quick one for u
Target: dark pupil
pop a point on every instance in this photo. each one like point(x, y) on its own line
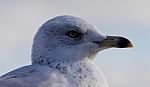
point(73, 34)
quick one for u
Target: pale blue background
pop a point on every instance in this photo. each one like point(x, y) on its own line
point(19, 21)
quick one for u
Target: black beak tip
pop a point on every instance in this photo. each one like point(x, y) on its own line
point(124, 43)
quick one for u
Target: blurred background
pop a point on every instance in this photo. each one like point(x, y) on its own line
point(20, 19)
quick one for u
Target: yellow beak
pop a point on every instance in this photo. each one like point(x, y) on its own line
point(115, 41)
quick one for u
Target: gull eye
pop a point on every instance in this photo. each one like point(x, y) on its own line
point(73, 34)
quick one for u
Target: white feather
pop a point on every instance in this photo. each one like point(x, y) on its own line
point(61, 61)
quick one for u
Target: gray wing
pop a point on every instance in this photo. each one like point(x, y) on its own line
point(33, 76)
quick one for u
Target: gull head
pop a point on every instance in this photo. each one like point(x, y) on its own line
point(70, 38)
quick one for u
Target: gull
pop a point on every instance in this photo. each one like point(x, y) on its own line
point(62, 56)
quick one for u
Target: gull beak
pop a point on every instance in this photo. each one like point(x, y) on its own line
point(115, 41)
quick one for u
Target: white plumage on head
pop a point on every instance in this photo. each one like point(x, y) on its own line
point(52, 41)
point(62, 56)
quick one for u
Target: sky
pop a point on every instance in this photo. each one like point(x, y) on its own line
point(20, 19)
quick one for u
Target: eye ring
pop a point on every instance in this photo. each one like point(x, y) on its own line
point(73, 34)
